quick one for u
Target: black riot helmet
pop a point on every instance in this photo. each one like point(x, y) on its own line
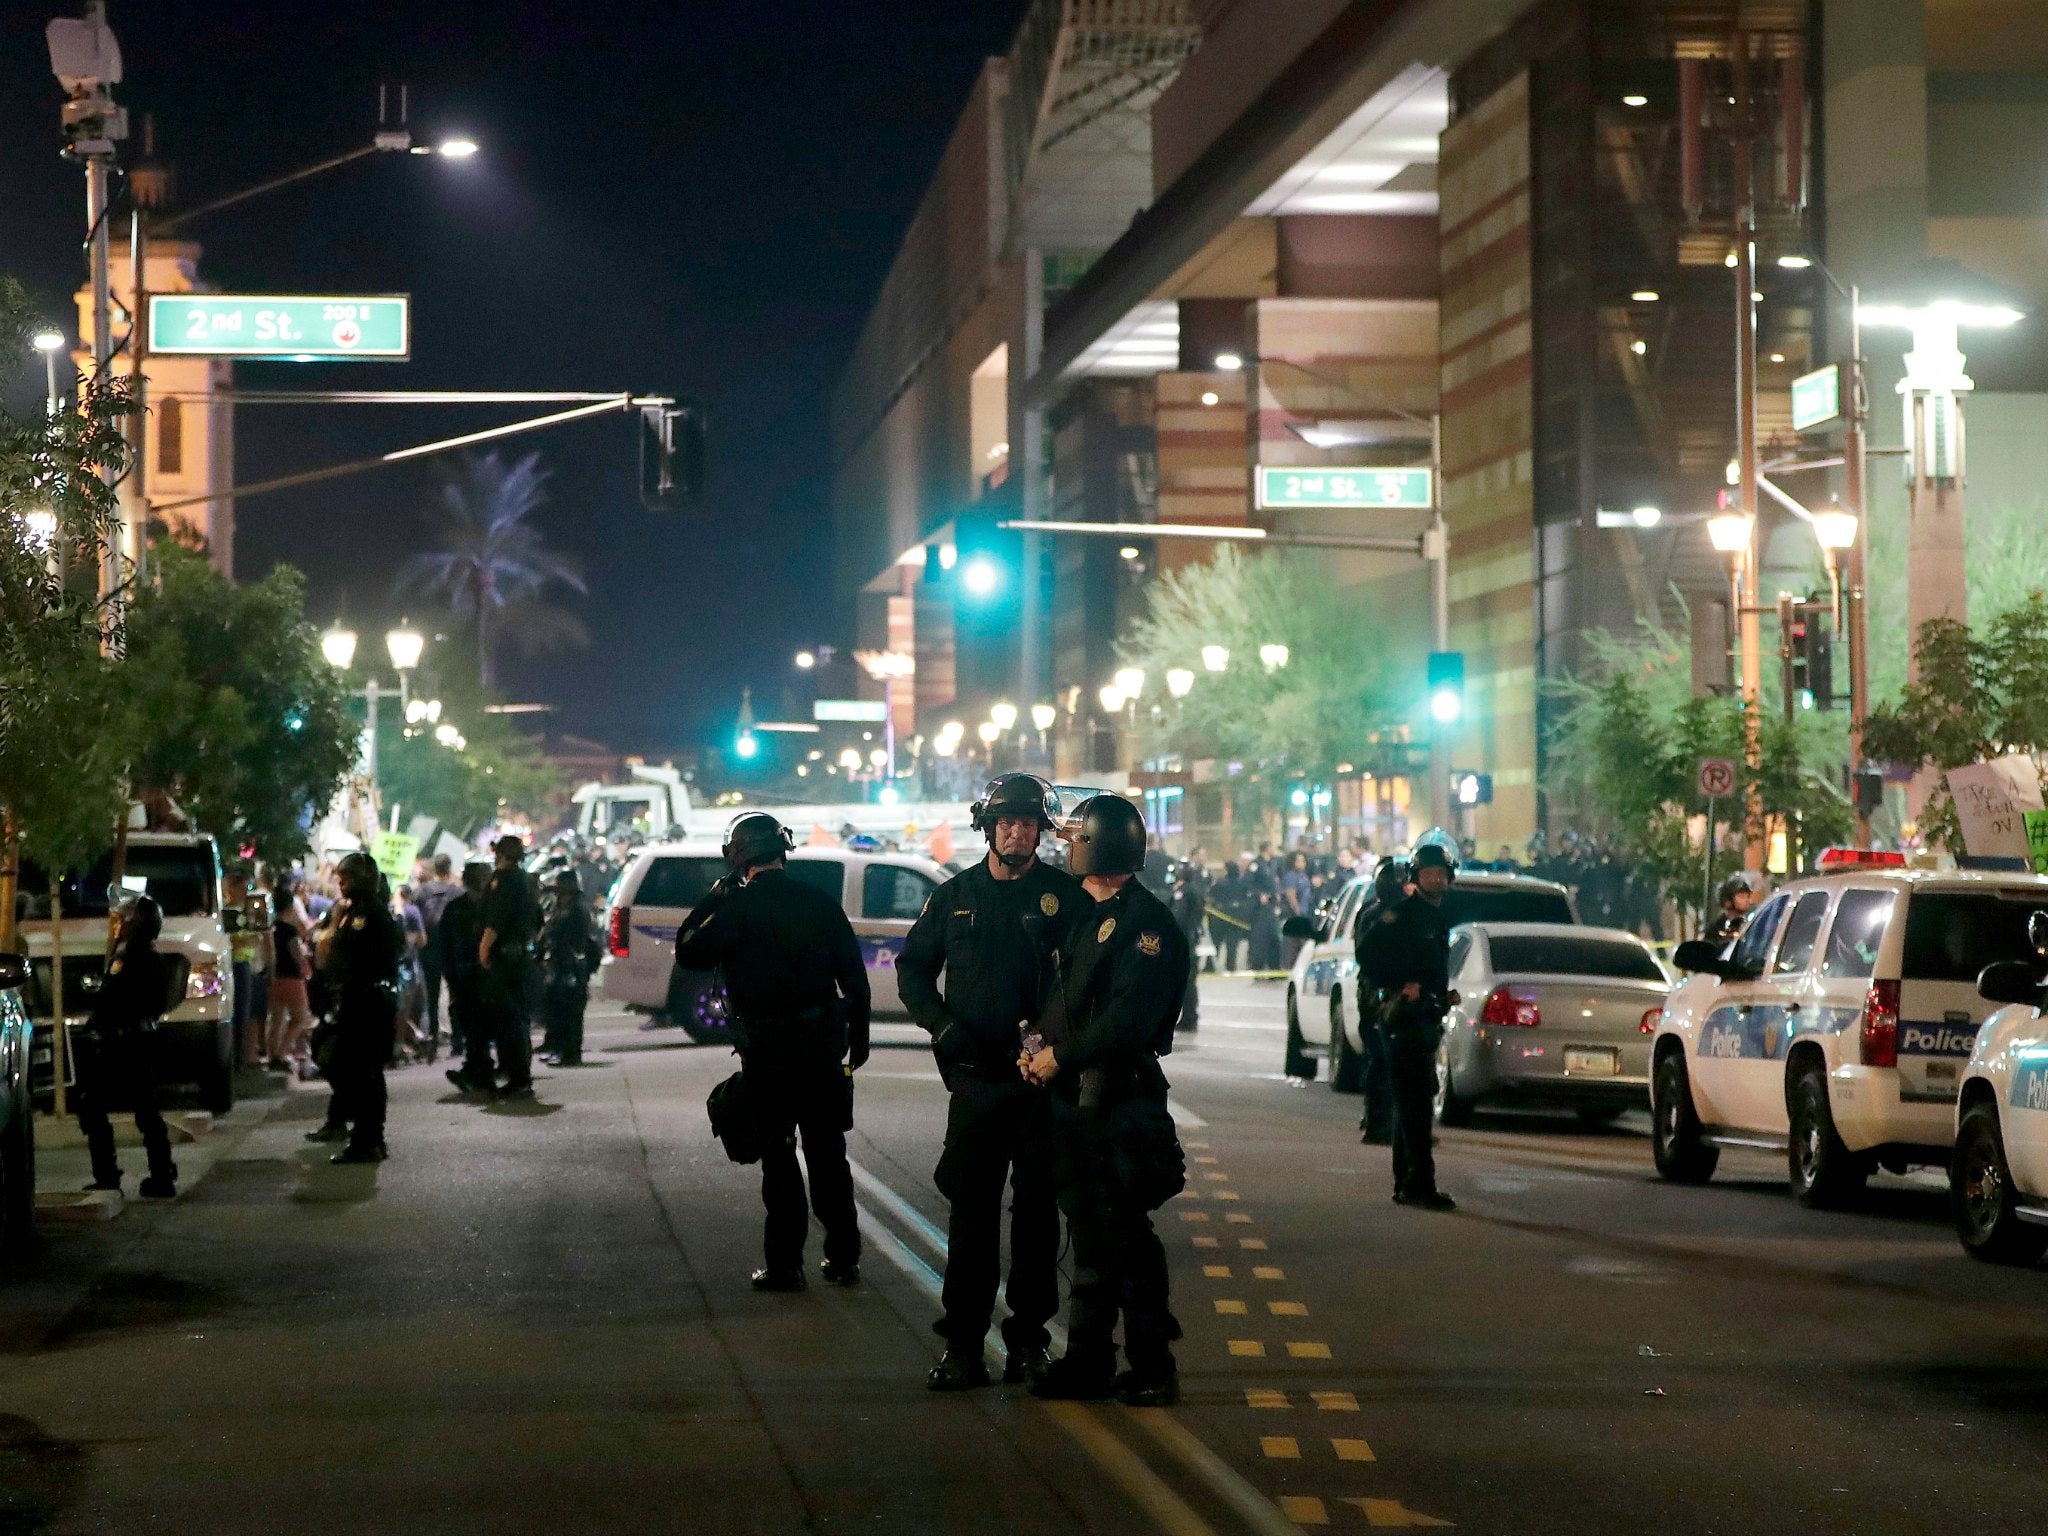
point(143, 922)
point(1108, 838)
point(358, 874)
point(1433, 856)
point(755, 838)
point(1388, 882)
point(1013, 794)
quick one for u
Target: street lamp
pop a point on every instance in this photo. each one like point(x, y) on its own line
point(1003, 715)
point(49, 342)
point(1934, 302)
point(338, 645)
point(1111, 698)
point(1730, 533)
point(1216, 657)
point(805, 660)
point(1042, 716)
point(404, 645)
point(990, 733)
point(1179, 681)
point(1273, 657)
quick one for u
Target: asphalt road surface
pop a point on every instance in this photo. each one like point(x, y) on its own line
point(536, 1318)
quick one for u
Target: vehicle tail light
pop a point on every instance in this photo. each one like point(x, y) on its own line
point(1651, 1018)
point(1504, 1008)
point(618, 935)
point(1880, 1027)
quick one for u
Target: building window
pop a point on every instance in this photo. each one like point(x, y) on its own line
point(170, 436)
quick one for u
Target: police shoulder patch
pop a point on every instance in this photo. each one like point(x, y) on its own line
point(1108, 927)
point(358, 922)
point(1048, 904)
point(1388, 917)
point(1148, 945)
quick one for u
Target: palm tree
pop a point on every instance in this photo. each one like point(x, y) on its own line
point(494, 569)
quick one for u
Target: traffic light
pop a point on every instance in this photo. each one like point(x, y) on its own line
point(986, 560)
point(672, 454)
point(1868, 787)
point(1810, 651)
point(1470, 788)
point(1446, 686)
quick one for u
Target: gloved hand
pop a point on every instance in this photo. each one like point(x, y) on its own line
point(857, 1057)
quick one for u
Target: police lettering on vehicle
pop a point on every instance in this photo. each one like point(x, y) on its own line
point(1936, 1039)
point(2030, 1081)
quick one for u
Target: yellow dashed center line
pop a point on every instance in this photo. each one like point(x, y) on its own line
point(1217, 1178)
point(1208, 1242)
point(1205, 1160)
point(1335, 1402)
point(1216, 1271)
point(1230, 1309)
point(1250, 1349)
point(1303, 1510)
point(1226, 1194)
point(1280, 1447)
point(1194, 1215)
point(1268, 1272)
point(1239, 1218)
point(1352, 1450)
point(1264, 1397)
point(1288, 1308)
point(1251, 1244)
point(1302, 1349)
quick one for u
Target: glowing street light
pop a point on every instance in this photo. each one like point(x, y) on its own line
point(405, 646)
point(805, 660)
point(1179, 681)
point(1003, 715)
point(1729, 532)
point(1834, 530)
point(338, 645)
point(1111, 698)
point(1042, 717)
point(1130, 682)
point(1273, 657)
point(989, 732)
point(1216, 657)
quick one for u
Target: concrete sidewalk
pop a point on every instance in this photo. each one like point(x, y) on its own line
point(198, 1141)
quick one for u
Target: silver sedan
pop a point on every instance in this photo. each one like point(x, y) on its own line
point(1549, 1014)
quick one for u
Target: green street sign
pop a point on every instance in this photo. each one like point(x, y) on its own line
point(1816, 397)
point(283, 328)
point(1295, 485)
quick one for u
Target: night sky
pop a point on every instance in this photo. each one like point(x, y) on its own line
point(686, 198)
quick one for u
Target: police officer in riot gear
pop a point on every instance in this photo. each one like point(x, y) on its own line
point(113, 1061)
point(359, 961)
point(1376, 1125)
point(799, 993)
point(993, 931)
point(1406, 954)
point(511, 919)
point(1737, 896)
point(1111, 1015)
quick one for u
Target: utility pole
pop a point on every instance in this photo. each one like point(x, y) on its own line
point(1436, 548)
point(87, 62)
point(1855, 449)
point(1754, 835)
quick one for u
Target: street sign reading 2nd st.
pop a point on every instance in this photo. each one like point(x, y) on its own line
point(1293, 485)
point(296, 328)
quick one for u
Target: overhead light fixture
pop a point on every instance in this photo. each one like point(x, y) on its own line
point(1646, 296)
point(1043, 715)
point(1110, 697)
point(1777, 357)
point(805, 660)
point(1179, 681)
point(1003, 714)
point(1229, 362)
point(999, 451)
point(1216, 657)
point(1634, 99)
point(338, 645)
point(47, 341)
point(1130, 681)
point(1728, 260)
point(1210, 397)
point(1647, 517)
point(1639, 347)
point(1834, 530)
point(1795, 263)
point(456, 149)
point(1273, 656)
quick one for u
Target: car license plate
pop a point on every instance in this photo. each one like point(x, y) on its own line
point(1604, 1063)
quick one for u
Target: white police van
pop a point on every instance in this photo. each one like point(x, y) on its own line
point(1838, 1025)
point(1998, 1178)
point(882, 893)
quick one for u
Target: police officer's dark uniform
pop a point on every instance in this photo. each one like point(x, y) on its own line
point(460, 932)
point(565, 965)
point(1376, 1123)
point(360, 965)
point(1111, 1016)
point(114, 1066)
point(996, 940)
point(511, 917)
point(1410, 946)
point(799, 995)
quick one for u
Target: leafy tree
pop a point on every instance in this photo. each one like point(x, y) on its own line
point(236, 715)
point(1630, 737)
point(463, 789)
point(61, 749)
point(495, 571)
point(1982, 693)
point(1335, 692)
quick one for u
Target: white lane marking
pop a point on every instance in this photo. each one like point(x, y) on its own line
point(1182, 1115)
point(900, 1208)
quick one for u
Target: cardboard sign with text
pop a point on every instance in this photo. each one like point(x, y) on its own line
point(2037, 839)
point(394, 853)
point(1991, 801)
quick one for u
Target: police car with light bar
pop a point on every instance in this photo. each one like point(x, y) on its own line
point(1998, 1178)
point(1837, 1027)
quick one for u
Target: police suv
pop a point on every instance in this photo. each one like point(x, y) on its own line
point(1837, 1027)
point(882, 893)
point(1998, 1178)
point(1322, 988)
